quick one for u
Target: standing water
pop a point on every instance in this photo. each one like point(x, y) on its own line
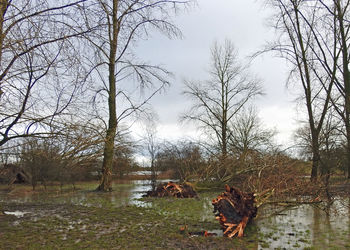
point(321, 225)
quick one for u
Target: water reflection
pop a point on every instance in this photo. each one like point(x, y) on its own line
point(207, 213)
point(122, 195)
point(127, 193)
point(323, 226)
point(316, 225)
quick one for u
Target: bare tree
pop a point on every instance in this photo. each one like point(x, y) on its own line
point(248, 133)
point(331, 141)
point(38, 74)
point(338, 11)
point(152, 147)
point(122, 23)
point(64, 156)
point(303, 41)
point(80, 145)
point(219, 99)
point(183, 157)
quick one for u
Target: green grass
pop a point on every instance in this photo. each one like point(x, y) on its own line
point(85, 219)
point(79, 227)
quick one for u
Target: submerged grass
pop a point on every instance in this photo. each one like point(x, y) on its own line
point(84, 219)
point(74, 226)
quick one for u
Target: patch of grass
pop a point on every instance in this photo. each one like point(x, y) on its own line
point(84, 219)
point(210, 186)
point(264, 245)
point(69, 225)
point(296, 245)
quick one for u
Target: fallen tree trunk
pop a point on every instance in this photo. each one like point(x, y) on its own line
point(234, 209)
point(172, 189)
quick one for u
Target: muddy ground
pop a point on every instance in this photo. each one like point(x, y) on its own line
point(85, 219)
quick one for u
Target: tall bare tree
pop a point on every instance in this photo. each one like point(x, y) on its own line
point(303, 41)
point(38, 75)
point(122, 23)
point(217, 100)
point(339, 11)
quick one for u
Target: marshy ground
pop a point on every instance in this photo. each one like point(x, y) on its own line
point(76, 219)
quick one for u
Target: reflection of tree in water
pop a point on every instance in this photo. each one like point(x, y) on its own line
point(349, 218)
point(327, 221)
point(330, 223)
point(319, 225)
point(316, 225)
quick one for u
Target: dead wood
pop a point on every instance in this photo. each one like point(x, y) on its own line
point(184, 230)
point(172, 189)
point(234, 209)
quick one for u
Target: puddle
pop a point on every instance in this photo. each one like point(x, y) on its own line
point(128, 193)
point(18, 214)
point(143, 172)
point(207, 213)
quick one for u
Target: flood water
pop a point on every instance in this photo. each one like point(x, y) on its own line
point(321, 225)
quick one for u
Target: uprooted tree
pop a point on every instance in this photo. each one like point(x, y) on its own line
point(172, 189)
point(234, 209)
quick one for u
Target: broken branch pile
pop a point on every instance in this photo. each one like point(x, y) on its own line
point(234, 209)
point(172, 189)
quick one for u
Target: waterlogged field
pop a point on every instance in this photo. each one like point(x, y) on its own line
point(122, 219)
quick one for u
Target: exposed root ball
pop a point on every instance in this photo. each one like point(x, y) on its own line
point(172, 189)
point(234, 209)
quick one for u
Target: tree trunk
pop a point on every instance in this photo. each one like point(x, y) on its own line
point(106, 178)
point(153, 174)
point(315, 159)
point(304, 71)
point(348, 151)
point(346, 76)
point(108, 153)
point(347, 110)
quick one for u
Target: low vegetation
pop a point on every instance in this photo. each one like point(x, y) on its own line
point(68, 219)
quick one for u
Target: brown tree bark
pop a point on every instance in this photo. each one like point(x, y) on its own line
point(106, 179)
point(315, 161)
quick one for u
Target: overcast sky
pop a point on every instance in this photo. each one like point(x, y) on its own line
point(244, 22)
